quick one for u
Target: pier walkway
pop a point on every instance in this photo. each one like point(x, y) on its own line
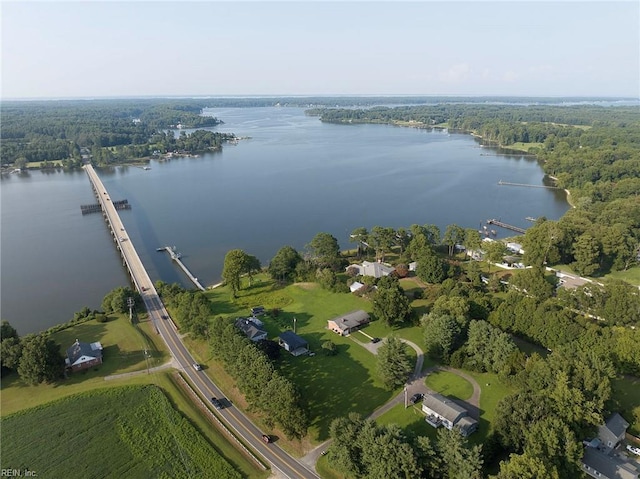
point(517, 229)
point(508, 183)
point(176, 257)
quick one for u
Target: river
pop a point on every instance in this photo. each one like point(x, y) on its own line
point(294, 177)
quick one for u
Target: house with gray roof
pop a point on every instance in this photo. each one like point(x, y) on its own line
point(442, 411)
point(83, 355)
point(347, 323)
point(293, 343)
point(377, 269)
point(613, 430)
point(251, 329)
point(601, 460)
point(599, 464)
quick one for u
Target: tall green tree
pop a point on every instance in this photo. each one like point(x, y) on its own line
point(41, 360)
point(325, 251)
point(453, 235)
point(360, 236)
point(390, 303)
point(283, 265)
point(394, 363)
point(235, 264)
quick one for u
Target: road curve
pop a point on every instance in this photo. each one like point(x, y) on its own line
point(272, 454)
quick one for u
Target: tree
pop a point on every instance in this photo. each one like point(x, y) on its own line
point(390, 304)
point(7, 331)
point(533, 283)
point(329, 348)
point(430, 267)
point(235, 264)
point(586, 251)
point(441, 335)
point(495, 252)
point(270, 348)
point(458, 459)
point(382, 239)
point(541, 243)
point(283, 265)
point(360, 236)
point(524, 466)
point(472, 239)
point(325, 251)
point(40, 361)
point(252, 266)
point(394, 364)
point(453, 235)
point(10, 353)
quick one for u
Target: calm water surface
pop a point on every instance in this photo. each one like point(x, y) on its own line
point(292, 179)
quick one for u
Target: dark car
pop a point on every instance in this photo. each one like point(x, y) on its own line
point(216, 403)
point(416, 397)
point(375, 340)
point(266, 438)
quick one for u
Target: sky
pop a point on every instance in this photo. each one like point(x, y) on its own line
point(83, 49)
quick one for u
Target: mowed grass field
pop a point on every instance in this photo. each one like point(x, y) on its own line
point(331, 385)
point(128, 431)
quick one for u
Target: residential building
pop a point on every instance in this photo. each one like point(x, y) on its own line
point(377, 269)
point(601, 460)
point(442, 411)
point(251, 329)
point(293, 343)
point(347, 323)
point(83, 355)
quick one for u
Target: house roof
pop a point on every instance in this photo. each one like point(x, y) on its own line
point(616, 424)
point(376, 269)
point(466, 422)
point(443, 406)
point(351, 320)
point(249, 328)
point(293, 340)
point(609, 466)
point(79, 349)
point(355, 286)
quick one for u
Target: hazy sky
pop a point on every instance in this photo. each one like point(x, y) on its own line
point(87, 49)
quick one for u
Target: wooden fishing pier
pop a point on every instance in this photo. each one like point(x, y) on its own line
point(506, 226)
point(176, 257)
point(508, 183)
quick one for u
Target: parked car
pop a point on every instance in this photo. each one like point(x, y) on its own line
point(197, 367)
point(266, 438)
point(216, 403)
point(633, 449)
point(416, 397)
point(375, 340)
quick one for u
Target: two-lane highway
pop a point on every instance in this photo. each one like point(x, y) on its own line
point(244, 429)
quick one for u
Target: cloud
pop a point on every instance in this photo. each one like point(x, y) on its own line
point(455, 74)
point(510, 76)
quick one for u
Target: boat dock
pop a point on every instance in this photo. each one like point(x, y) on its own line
point(506, 226)
point(176, 257)
point(508, 183)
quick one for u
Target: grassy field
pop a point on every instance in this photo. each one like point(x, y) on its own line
point(330, 384)
point(119, 432)
point(124, 345)
point(449, 384)
point(632, 275)
point(525, 147)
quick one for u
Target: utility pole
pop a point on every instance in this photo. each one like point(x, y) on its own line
point(294, 324)
point(405, 396)
point(130, 303)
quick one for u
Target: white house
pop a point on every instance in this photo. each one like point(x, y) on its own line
point(377, 269)
point(442, 411)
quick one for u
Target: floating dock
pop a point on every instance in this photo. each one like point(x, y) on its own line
point(176, 257)
point(506, 226)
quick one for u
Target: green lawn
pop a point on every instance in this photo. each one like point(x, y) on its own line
point(449, 384)
point(124, 345)
point(626, 401)
point(118, 432)
point(632, 275)
point(524, 146)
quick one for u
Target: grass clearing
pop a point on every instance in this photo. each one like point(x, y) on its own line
point(110, 433)
point(525, 147)
point(632, 275)
point(449, 384)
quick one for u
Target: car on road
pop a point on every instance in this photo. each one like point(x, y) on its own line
point(197, 367)
point(416, 397)
point(375, 340)
point(633, 449)
point(216, 403)
point(266, 438)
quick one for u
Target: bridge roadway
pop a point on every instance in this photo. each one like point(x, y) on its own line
point(247, 432)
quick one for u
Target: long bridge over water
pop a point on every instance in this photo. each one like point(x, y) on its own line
point(243, 430)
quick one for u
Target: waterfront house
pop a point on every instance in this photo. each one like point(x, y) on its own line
point(347, 323)
point(83, 355)
point(367, 268)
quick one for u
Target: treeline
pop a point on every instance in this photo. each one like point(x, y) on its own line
point(56, 130)
point(265, 389)
point(190, 309)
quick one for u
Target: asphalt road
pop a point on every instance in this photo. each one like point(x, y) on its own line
point(272, 454)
